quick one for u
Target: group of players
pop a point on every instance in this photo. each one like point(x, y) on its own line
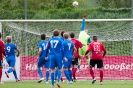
point(58, 53)
point(62, 52)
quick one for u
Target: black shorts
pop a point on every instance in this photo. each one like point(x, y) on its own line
point(98, 62)
point(75, 61)
point(1, 63)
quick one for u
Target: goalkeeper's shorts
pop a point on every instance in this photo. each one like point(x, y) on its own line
point(83, 50)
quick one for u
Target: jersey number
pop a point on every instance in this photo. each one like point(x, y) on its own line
point(8, 48)
point(69, 45)
point(54, 43)
point(96, 47)
point(44, 46)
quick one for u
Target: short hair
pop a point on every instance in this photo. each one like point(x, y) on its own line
point(0, 34)
point(43, 36)
point(65, 35)
point(95, 37)
point(8, 39)
point(62, 32)
point(56, 32)
point(72, 35)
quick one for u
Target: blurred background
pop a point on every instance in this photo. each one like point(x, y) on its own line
point(63, 9)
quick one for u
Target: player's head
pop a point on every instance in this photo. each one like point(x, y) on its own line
point(94, 38)
point(56, 32)
point(72, 35)
point(86, 30)
point(43, 36)
point(62, 32)
point(65, 35)
point(8, 39)
point(0, 35)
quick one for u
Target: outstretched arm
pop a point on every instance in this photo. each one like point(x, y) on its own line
point(83, 25)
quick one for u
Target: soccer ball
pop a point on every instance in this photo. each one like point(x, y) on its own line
point(75, 3)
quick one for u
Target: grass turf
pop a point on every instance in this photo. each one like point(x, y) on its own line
point(77, 84)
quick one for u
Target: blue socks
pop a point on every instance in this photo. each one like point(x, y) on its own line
point(47, 76)
point(56, 73)
point(15, 74)
point(67, 75)
point(40, 72)
point(59, 76)
point(70, 74)
point(52, 78)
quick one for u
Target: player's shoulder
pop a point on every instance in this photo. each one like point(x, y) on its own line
point(1, 42)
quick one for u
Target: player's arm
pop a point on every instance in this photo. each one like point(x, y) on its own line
point(62, 50)
point(104, 50)
point(47, 49)
point(39, 52)
point(88, 50)
point(83, 23)
point(18, 52)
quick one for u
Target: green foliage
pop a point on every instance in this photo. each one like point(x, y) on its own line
point(115, 3)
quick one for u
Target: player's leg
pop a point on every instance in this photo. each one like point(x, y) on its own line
point(40, 63)
point(12, 64)
point(10, 69)
point(100, 66)
point(47, 70)
point(79, 62)
point(56, 73)
point(70, 71)
point(92, 64)
point(75, 69)
point(1, 72)
point(52, 67)
point(65, 68)
point(59, 65)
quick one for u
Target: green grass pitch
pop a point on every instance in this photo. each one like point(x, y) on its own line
point(77, 84)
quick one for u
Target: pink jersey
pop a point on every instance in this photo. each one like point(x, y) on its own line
point(97, 49)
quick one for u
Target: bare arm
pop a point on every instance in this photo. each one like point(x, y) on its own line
point(18, 52)
point(39, 52)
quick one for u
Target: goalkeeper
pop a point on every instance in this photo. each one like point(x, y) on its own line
point(84, 38)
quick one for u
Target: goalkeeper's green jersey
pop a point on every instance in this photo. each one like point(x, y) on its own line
point(83, 37)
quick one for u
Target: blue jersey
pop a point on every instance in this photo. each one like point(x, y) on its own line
point(10, 49)
point(68, 49)
point(55, 46)
point(42, 45)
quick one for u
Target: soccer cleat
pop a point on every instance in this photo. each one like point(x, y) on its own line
point(70, 82)
point(7, 75)
point(1, 83)
point(93, 81)
point(59, 86)
point(52, 86)
point(62, 79)
point(40, 80)
point(47, 82)
point(74, 80)
point(101, 83)
point(17, 80)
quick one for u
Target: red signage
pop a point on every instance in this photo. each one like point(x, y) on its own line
point(115, 68)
